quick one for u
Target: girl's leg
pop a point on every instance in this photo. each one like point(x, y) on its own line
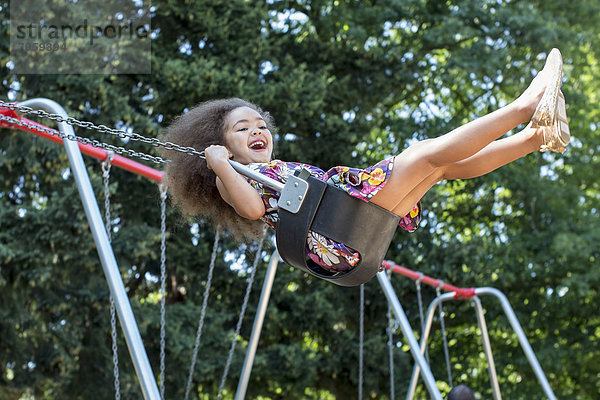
point(497, 154)
point(491, 157)
point(426, 158)
point(424, 163)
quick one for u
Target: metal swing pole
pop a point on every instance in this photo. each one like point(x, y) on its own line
point(409, 335)
point(516, 326)
point(257, 327)
point(484, 337)
point(424, 336)
point(487, 348)
point(107, 258)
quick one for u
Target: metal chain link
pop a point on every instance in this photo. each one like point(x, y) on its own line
point(106, 164)
point(84, 140)
point(202, 312)
point(113, 317)
point(238, 327)
point(421, 315)
point(163, 285)
point(444, 336)
point(115, 350)
point(100, 128)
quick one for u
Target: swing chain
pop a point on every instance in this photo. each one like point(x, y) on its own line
point(106, 164)
point(203, 312)
point(80, 139)
point(100, 128)
point(438, 291)
point(394, 324)
point(421, 312)
point(163, 279)
point(238, 326)
point(115, 351)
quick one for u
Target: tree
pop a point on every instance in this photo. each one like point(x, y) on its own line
point(348, 83)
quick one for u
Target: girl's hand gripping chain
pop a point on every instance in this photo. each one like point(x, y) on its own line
point(216, 157)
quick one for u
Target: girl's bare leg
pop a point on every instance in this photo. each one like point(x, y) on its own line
point(425, 159)
point(491, 157)
point(497, 154)
point(424, 163)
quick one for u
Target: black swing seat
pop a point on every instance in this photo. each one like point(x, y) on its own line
point(331, 212)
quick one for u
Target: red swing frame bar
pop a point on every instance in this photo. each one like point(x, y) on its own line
point(459, 293)
point(467, 293)
point(87, 149)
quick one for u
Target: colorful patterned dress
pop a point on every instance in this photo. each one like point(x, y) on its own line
point(361, 183)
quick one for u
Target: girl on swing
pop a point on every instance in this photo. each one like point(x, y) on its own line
point(241, 131)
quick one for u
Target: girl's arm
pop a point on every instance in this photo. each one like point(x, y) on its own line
point(233, 187)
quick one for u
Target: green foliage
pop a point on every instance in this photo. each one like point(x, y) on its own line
point(348, 83)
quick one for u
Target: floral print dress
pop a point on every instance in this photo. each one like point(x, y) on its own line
point(361, 183)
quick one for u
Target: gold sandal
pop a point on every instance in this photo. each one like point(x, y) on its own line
point(557, 136)
point(551, 114)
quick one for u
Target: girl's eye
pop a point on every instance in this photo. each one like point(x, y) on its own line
point(242, 129)
point(263, 127)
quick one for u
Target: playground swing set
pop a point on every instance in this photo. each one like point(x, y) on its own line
point(305, 204)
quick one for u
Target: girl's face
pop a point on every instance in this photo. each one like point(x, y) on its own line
point(247, 136)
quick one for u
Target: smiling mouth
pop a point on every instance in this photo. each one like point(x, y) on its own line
point(258, 145)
